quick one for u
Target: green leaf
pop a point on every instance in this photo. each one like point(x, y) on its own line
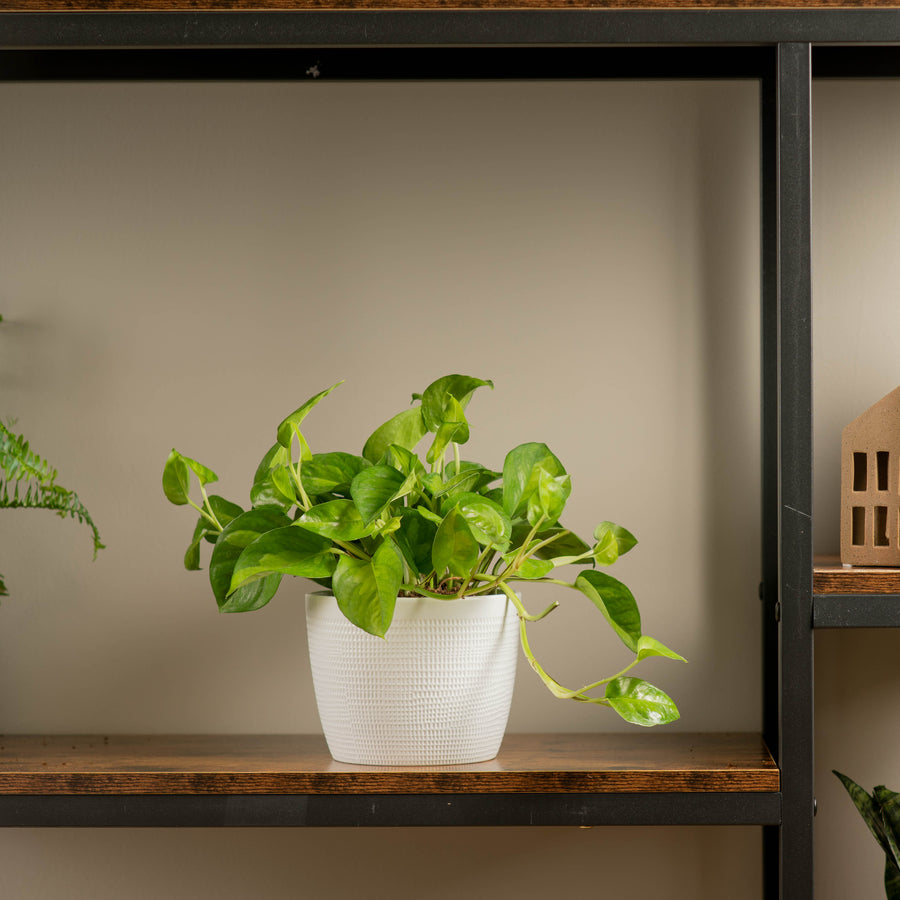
point(405, 429)
point(436, 399)
point(648, 646)
point(374, 488)
point(330, 473)
point(549, 500)
point(366, 589)
point(869, 810)
point(891, 879)
point(890, 816)
point(625, 540)
point(606, 550)
point(337, 520)
point(238, 534)
point(522, 470)
point(565, 542)
point(455, 549)
point(616, 602)
point(272, 484)
point(471, 478)
point(176, 479)
point(290, 550)
point(529, 568)
point(224, 511)
point(290, 425)
point(640, 703)
point(415, 537)
point(454, 428)
point(403, 460)
point(489, 524)
point(252, 596)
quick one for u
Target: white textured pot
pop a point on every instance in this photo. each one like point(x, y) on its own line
point(435, 691)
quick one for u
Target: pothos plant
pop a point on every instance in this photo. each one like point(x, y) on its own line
point(384, 523)
point(881, 812)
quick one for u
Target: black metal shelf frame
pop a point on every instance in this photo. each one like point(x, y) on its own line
point(774, 47)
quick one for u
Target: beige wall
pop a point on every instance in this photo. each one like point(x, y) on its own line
point(182, 265)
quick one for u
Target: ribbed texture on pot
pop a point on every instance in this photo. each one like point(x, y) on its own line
point(436, 691)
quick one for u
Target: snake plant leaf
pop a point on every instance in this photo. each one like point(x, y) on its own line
point(640, 703)
point(648, 646)
point(236, 536)
point(487, 521)
point(437, 397)
point(289, 426)
point(616, 602)
point(330, 473)
point(405, 429)
point(375, 487)
point(521, 473)
point(891, 879)
point(291, 550)
point(625, 540)
point(366, 589)
point(890, 816)
point(868, 809)
point(415, 537)
point(455, 548)
point(336, 519)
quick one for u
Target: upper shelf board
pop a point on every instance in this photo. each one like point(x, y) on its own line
point(288, 5)
point(300, 764)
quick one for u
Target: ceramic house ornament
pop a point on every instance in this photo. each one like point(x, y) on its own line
point(870, 486)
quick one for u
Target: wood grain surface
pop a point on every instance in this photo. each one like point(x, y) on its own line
point(286, 5)
point(830, 577)
point(300, 764)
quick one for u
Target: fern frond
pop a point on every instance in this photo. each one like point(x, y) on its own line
point(29, 482)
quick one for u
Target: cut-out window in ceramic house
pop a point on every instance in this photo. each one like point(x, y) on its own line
point(870, 486)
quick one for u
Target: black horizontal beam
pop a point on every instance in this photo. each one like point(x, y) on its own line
point(856, 611)
point(376, 810)
point(317, 28)
point(330, 64)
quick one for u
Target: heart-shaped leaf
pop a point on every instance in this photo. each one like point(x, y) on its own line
point(616, 602)
point(436, 397)
point(489, 524)
point(522, 470)
point(290, 550)
point(337, 520)
point(405, 429)
point(330, 473)
point(374, 488)
point(455, 549)
point(640, 703)
point(237, 535)
point(366, 589)
point(290, 425)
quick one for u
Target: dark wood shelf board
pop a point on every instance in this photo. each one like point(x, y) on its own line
point(629, 763)
point(830, 577)
point(197, 6)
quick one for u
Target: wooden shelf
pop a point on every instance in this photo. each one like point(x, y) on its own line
point(291, 780)
point(855, 596)
point(830, 577)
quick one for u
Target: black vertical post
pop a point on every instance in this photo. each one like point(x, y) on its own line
point(769, 369)
point(794, 608)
